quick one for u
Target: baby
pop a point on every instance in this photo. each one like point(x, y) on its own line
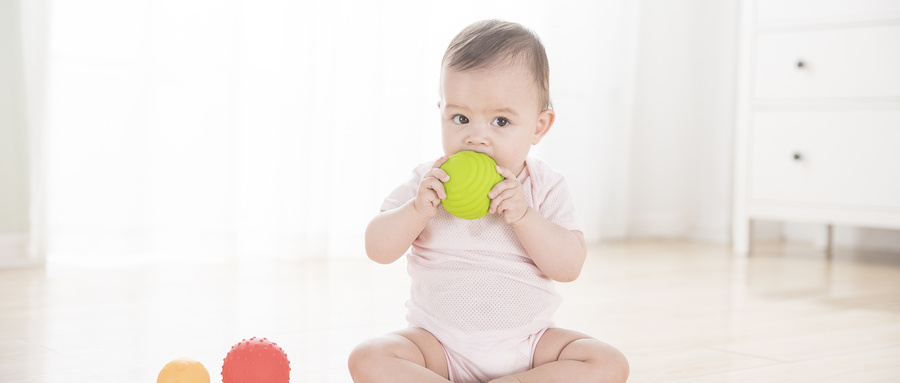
point(482, 293)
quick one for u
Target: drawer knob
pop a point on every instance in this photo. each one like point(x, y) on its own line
point(800, 64)
point(798, 156)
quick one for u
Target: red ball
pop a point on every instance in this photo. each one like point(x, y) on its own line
point(256, 360)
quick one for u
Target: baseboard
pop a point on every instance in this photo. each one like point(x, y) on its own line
point(711, 232)
point(658, 226)
point(15, 251)
point(671, 226)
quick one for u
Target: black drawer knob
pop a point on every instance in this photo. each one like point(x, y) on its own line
point(798, 157)
point(800, 64)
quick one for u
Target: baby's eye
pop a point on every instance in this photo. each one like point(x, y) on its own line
point(460, 119)
point(500, 121)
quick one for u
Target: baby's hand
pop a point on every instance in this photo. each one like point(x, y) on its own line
point(431, 189)
point(508, 197)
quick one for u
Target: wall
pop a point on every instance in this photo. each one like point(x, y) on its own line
point(592, 96)
point(683, 120)
point(14, 148)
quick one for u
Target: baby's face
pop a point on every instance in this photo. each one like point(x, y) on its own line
point(494, 111)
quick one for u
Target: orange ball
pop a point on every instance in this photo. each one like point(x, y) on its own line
point(183, 370)
point(256, 360)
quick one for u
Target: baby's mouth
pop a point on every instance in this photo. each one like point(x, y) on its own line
point(477, 151)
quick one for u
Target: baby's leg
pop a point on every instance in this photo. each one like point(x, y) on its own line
point(569, 356)
point(408, 355)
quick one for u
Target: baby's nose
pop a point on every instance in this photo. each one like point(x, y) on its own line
point(476, 135)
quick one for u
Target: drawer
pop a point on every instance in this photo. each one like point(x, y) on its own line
point(844, 158)
point(783, 12)
point(837, 63)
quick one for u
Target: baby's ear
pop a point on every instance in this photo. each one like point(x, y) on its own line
point(544, 122)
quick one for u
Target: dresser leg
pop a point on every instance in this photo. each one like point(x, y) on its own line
point(829, 245)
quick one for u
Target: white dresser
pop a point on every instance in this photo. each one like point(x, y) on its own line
point(818, 114)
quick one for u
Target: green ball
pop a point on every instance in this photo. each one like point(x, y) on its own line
point(472, 175)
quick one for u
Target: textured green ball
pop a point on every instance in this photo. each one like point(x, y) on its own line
point(472, 175)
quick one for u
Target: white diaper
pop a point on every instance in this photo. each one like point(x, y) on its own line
point(481, 363)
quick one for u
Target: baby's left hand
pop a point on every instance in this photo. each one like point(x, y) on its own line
point(508, 197)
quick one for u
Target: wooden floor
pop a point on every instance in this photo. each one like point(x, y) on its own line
point(681, 312)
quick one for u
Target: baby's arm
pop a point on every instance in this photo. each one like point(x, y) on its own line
point(557, 251)
point(391, 232)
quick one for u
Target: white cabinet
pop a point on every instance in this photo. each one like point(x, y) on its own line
point(819, 64)
point(818, 114)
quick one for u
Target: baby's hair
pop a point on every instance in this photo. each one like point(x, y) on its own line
point(491, 42)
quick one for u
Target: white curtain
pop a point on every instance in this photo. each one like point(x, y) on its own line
point(274, 128)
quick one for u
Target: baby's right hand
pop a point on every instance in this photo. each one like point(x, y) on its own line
point(431, 189)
